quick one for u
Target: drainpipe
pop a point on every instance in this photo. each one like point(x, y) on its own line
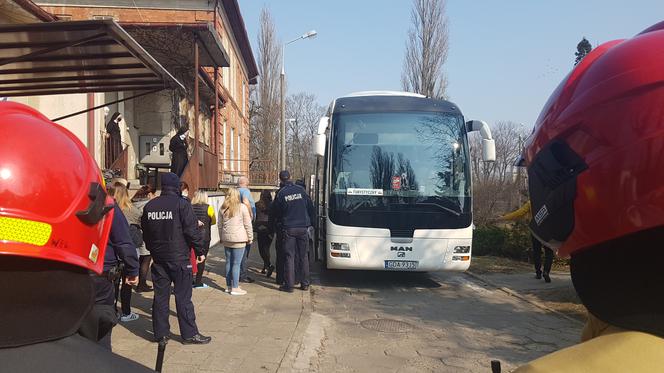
point(91, 125)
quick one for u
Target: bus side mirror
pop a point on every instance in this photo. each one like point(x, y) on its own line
point(322, 124)
point(319, 146)
point(488, 145)
point(488, 150)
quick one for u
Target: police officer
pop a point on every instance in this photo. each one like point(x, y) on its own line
point(120, 257)
point(48, 247)
point(275, 223)
point(170, 229)
point(295, 211)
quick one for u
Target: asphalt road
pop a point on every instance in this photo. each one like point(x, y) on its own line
point(363, 321)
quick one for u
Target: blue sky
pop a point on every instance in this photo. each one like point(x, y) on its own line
point(505, 56)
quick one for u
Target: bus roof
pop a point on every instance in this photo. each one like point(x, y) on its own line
point(384, 93)
point(390, 101)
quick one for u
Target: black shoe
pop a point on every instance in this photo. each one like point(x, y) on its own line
point(162, 339)
point(304, 287)
point(538, 275)
point(546, 277)
point(270, 269)
point(198, 339)
point(263, 270)
point(285, 289)
point(248, 280)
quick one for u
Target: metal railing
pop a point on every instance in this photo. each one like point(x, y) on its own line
point(114, 156)
point(259, 171)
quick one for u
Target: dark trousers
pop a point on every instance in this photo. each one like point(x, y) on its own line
point(264, 241)
point(104, 295)
point(125, 298)
point(125, 295)
point(537, 256)
point(163, 274)
point(200, 267)
point(243, 265)
point(144, 267)
point(279, 248)
point(296, 260)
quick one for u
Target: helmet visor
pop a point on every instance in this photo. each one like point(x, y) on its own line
point(552, 184)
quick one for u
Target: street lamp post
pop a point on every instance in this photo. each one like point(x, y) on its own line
point(282, 139)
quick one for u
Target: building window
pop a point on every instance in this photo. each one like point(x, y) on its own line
point(244, 109)
point(223, 147)
point(239, 152)
point(232, 147)
point(103, 16)
point(225, 74)
point(234, 83)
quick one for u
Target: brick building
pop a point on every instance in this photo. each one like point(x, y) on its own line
point(183, 36)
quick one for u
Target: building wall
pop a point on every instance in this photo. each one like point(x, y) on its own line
point(236, 113)
point(60, 105)
point(233, 79)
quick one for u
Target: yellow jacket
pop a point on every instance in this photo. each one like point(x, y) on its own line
point(605, 349)
point(517, 214)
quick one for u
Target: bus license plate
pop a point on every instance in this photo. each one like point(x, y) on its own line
point(401, 264)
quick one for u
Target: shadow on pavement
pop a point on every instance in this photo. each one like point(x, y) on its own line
point(375, 279)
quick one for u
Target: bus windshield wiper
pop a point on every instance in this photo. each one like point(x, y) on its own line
point(451, 211)
point(357, 206)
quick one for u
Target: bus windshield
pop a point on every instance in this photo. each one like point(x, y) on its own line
point(399, 161)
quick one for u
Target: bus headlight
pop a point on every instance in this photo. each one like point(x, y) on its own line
point(464, 258)
point(462, 249)
point(340, 246)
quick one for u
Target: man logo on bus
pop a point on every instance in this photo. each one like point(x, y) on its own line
point(401, 255)
point(401, 248)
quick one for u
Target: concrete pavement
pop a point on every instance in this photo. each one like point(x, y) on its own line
point(251, 333)
point(443, 322)
point(526, 282)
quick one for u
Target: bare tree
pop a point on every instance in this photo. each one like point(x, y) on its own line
point(264, 105)
point(498, 187)
point(302, 113)
point(426, 50)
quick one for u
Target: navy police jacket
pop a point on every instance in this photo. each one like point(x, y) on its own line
point(292, 207)
point(120, 247)
point(170, 228)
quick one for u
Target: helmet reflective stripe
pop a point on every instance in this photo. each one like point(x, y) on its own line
point(24, 231)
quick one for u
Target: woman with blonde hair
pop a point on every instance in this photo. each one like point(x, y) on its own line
point(133, 215)
point(235, 233)
point(206, 219)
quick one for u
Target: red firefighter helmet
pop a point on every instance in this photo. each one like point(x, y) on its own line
point(596, 157)
point(53, 204)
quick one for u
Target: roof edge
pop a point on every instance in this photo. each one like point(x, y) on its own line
point(232, 9)
point(36, 10)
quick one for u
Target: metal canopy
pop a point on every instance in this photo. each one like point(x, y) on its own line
point(174, 46)
point(76, 57)
point(175, 42)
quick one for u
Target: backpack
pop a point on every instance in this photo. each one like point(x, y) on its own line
point(136, 235)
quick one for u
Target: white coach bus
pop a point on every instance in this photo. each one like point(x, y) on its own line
point(393, 183)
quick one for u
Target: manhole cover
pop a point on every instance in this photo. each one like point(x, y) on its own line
point(387, 325)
